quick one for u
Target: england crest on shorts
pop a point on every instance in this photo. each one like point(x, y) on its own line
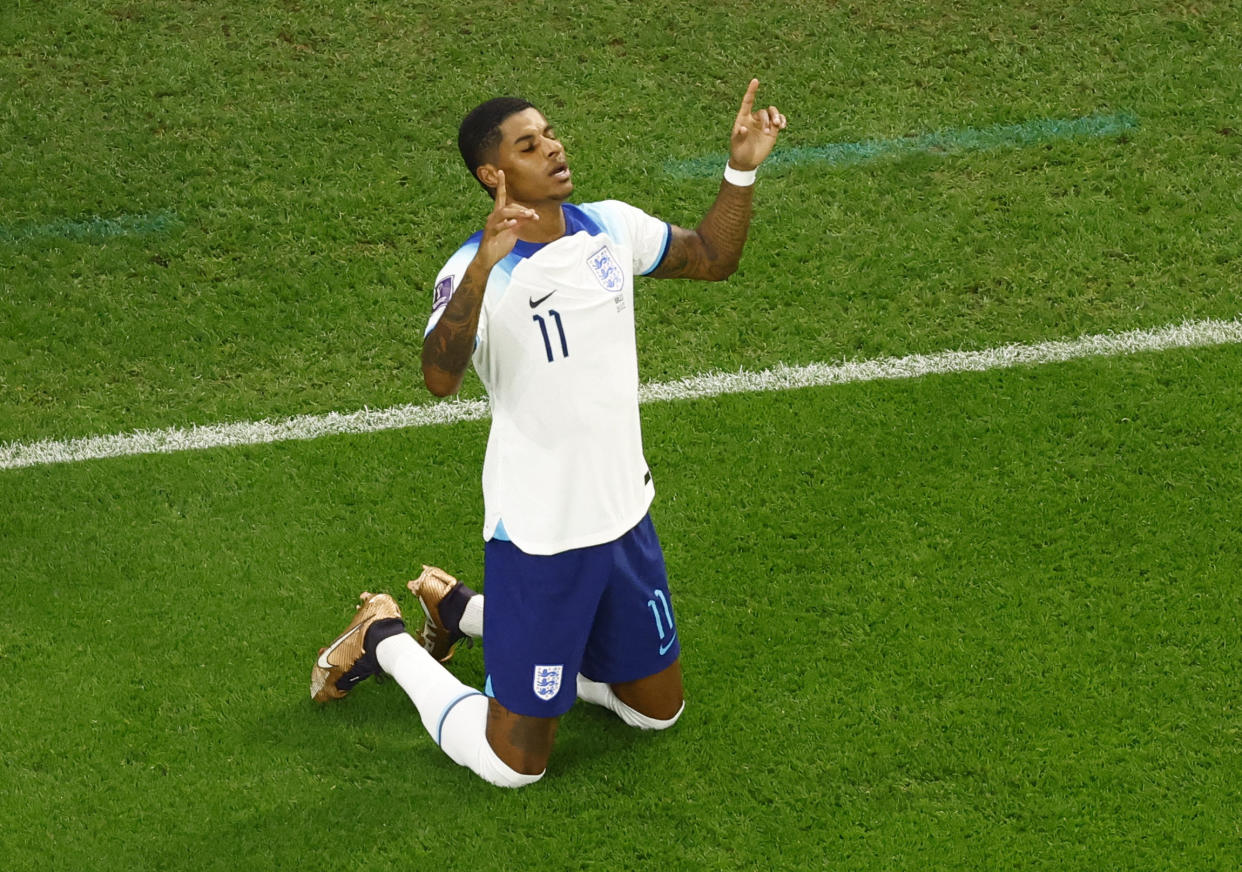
point(547, 681)
point(607, 270)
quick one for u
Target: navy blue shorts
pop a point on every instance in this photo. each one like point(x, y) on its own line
point(604, 611)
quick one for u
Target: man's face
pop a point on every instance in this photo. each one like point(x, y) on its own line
point(532, 158)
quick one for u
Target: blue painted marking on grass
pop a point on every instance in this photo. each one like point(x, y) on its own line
point(941, 142)
point(92, 229)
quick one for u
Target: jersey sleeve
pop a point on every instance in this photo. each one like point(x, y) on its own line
point(648, 236)
point(447, 281)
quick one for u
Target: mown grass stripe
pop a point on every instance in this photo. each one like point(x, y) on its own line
point(1189, 334)
point(1023, 135)
point(92, 229)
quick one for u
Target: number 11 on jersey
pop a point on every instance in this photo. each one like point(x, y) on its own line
point(547, 340)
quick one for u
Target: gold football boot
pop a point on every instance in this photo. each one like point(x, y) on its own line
point(347, 661)
point(443, 599)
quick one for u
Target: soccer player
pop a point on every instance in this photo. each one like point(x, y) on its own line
point(542, 301)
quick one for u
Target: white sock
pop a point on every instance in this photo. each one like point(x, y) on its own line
point(598, 693)
point(471, 622)
point(464, 739)
point(454, 714)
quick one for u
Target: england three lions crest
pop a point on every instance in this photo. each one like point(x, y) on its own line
point(607, 270)
point(547, 681)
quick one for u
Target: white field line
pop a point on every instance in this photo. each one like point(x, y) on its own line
point(1190, 334)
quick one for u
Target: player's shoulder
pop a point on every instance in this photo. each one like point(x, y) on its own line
point(615, 218)
point(604, 210)
point(461, 257)
point(470, 246)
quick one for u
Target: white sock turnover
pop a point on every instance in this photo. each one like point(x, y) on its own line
point(602, 694)
point(471, 622)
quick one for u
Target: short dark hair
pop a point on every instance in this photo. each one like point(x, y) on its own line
point(480, 130)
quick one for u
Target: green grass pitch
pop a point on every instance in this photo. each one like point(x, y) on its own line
point(984, 621)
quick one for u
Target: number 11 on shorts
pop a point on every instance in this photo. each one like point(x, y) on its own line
point(667, 635)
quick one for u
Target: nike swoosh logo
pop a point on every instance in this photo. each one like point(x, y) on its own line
point(534, 303)
point(664, 648)
point(325, 663)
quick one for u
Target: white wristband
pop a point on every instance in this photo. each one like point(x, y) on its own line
point(741, 178)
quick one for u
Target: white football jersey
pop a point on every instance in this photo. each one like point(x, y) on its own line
point(556, 351)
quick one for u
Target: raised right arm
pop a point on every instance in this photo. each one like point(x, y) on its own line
point(712, 250)
point(447, 348)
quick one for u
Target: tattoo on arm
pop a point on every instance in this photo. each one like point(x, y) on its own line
point(448, 347)
point(712, 250)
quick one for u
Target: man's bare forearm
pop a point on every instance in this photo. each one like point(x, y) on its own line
point(448, 347)
point(725, 226)
point(713, 250)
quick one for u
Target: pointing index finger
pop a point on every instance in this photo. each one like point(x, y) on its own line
point(501, 199)
point(748, 101)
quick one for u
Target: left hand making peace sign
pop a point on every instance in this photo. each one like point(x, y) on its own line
point(754, 133)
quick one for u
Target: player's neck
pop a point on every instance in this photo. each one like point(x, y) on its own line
point(549, 227)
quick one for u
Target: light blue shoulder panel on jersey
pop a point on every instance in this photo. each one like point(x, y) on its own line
point(605, 219)
point(608, 215)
